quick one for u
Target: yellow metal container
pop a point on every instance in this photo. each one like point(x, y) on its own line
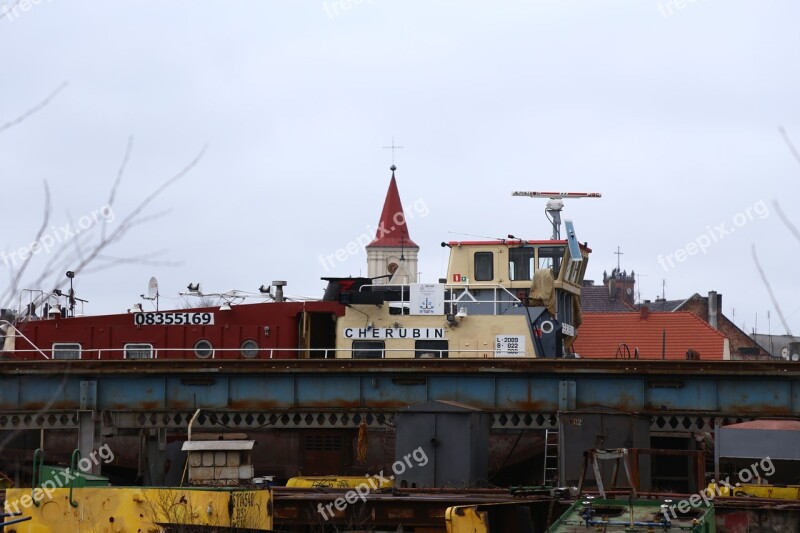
point(466, 519)
point(126, 509)
point(339, 482)
point(756, 490)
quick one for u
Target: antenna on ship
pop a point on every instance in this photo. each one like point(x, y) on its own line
point(555, 204)
point(152, 291)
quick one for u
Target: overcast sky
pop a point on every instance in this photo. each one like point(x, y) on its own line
point(670, 109)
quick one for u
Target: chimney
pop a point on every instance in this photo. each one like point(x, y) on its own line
point(713, 309)
point(645, 312)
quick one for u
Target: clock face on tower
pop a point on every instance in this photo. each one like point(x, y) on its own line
point(391, 268)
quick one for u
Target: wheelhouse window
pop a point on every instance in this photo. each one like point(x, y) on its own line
point(484, 266)
point(520, 263)
point(428, 349)
point(368, 349)
point(66, 350)
point(138, 351)
point(550, 257)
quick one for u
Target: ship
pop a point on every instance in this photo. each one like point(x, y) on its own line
point(508, 297)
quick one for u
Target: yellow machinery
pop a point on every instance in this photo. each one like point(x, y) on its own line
point(148, 510)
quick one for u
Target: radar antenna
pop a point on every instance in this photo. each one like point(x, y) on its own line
point(555, 204)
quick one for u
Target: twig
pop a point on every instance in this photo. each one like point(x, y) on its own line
point(785, 220)
point(769, 290)
point(34, 109)
point(789, 143)
point(11, 290)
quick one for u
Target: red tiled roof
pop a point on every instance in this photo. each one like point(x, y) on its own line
point(392, 228)
point(601, 334)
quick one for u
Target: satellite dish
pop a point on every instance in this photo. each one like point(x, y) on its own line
point(796, 357)
point(785, 352)
point(152, 288)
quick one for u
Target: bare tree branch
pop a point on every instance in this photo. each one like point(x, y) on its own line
point(769, 290)
point(34, 109)
point(150, 218)
point(113, 192)
point(786, 221)
point(130, 220)
point(143, 259)
point(83, 251)
point(21, 270)
point(789, 143)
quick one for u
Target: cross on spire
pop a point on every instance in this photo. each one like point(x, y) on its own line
point(393, 148)
point(619, 256)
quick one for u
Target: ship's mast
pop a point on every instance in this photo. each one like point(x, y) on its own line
point(555, 204)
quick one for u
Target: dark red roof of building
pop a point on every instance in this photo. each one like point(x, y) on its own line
point(601, 334)
point(392, 228)
point(596, 299)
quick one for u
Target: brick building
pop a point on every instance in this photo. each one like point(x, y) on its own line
point(616, 295)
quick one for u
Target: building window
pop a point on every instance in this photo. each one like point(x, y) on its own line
point(203, 349)
point(520, 264)
point(249, 349)
point(484, 266)
point(430, 349)
point(138, 351)
point(368, 349)
point(66, 350)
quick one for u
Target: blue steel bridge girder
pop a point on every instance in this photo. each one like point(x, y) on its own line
point(497, 386)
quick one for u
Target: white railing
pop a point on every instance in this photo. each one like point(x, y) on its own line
point(18, 332)
point(37, 298)
point(330, 353)
point(459, 294)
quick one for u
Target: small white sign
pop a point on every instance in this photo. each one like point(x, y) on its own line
point(426, 299)
point(509, 345)
point(567, 329)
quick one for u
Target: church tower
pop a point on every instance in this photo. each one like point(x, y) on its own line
point(392, 253)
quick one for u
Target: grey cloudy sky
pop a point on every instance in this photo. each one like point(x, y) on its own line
point(670, 109)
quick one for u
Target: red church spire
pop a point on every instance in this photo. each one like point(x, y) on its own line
point(392, 228)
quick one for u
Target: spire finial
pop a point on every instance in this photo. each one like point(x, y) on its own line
point(393, 168)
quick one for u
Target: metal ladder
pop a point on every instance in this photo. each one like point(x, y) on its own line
point(550, 475)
